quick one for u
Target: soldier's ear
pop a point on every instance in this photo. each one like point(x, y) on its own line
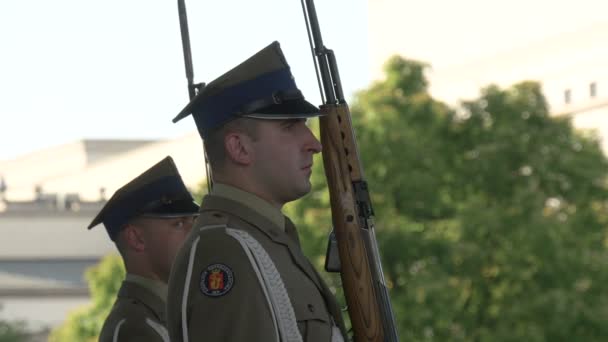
point(134, 238)
point(239, 148)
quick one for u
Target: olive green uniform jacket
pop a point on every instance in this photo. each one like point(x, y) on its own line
point(223, 288)
point(138, 315)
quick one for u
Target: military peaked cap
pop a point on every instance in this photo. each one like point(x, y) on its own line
point(158, 192)
point(261, 87)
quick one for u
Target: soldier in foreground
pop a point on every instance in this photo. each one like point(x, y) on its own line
point(148, 219)
point(241, 275)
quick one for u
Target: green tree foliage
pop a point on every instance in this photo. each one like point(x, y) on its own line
point(13, 331)
point(490, 216)
point(85, 324)
point(200, 191)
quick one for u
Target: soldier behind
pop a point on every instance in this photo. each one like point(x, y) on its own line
point(148, 220)
point(241, 275)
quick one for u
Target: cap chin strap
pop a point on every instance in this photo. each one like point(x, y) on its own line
point(164, 200)
point(277, 97)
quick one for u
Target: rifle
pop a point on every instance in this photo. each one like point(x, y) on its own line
point(193, 88)
point(359, 262)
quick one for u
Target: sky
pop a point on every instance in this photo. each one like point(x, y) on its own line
point(73, 69)
point(113, 69)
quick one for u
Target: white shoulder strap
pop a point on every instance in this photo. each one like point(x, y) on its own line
point(274, 288)
point(159, 328)
point(117, 330)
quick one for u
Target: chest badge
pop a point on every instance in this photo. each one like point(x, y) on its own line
point(216, 280)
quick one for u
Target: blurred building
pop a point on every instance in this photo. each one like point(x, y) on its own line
point(470, 48)
point(48, 198)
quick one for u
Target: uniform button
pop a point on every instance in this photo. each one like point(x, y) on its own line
point(311, 308)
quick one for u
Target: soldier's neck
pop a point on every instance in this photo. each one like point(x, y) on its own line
point(143, 270)
point(242, 183)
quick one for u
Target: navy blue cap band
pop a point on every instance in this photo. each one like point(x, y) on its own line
point(214, 111)
point(130, 205)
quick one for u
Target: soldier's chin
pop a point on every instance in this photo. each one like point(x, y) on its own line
point(306, 188)
point(301, 191)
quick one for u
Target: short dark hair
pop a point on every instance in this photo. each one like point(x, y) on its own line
point(119, 241)
point(214, 143)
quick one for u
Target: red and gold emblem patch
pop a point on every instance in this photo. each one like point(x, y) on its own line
point(216, 280)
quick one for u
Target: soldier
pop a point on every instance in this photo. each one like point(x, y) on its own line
point(148, 219)
point(241, 274)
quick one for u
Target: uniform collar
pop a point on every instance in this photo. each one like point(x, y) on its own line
point(246, 213)
point(157, 287)
point(252, 201)
point(135, 290)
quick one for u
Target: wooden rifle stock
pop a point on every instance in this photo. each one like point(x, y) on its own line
point(342, 169)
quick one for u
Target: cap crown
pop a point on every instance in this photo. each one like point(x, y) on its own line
point(156, 190)
point(260, 87)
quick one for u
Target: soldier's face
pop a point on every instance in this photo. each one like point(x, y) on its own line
point(282, 161)
point(163, 238)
